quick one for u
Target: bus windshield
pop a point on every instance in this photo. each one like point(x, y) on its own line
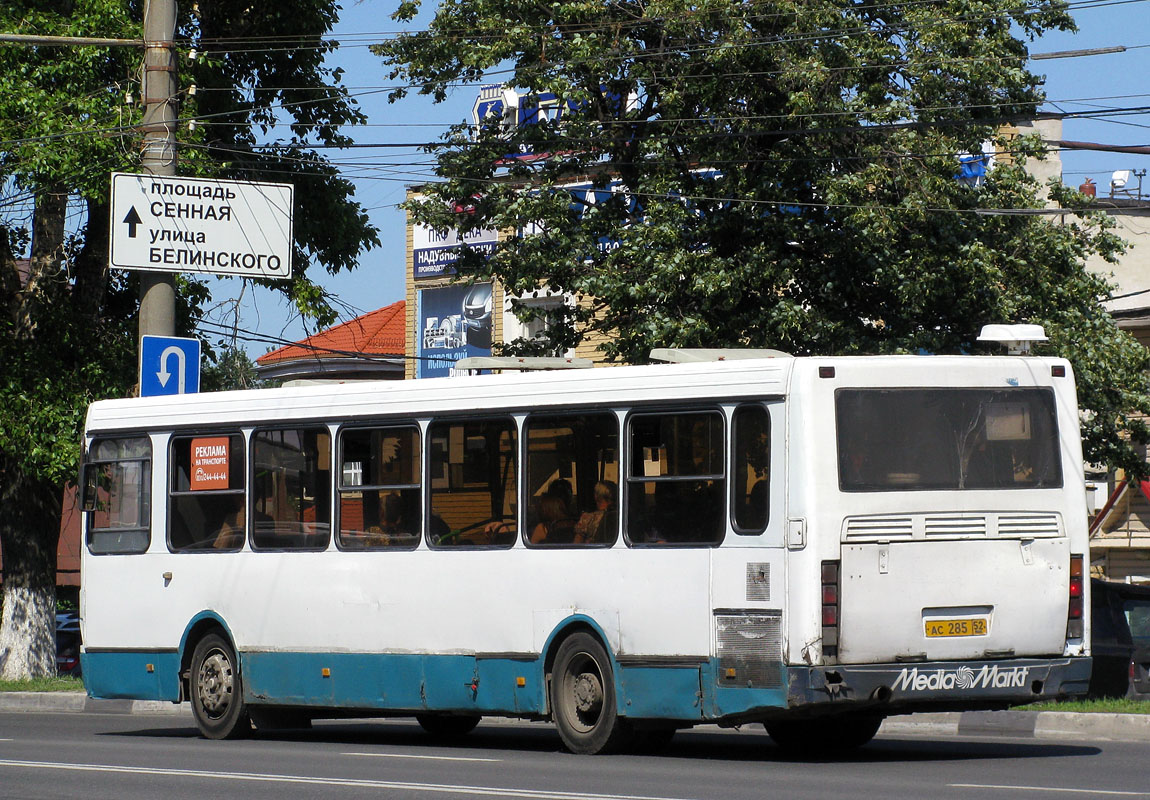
point(924, 439)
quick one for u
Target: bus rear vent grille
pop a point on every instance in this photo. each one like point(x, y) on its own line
point(750, 650)
point(955, 526)
point(1028, 525)
point(879, 527)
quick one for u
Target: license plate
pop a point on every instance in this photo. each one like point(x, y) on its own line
point(940, 628)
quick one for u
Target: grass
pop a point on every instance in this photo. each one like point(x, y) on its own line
point(1114, 706)
point(60, 684)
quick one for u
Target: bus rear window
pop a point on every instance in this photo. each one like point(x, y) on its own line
point(923, 439)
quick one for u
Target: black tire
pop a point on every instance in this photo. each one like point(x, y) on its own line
point(217, 691)
point(583, 697)
point(821, 737)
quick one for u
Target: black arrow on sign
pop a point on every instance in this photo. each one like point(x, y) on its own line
point(133, 219)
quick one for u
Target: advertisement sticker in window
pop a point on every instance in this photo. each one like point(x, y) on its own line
point(209, 464)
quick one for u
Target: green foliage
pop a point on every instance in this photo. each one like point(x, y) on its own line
point(1110, 706)
point(62, 108)
point(787, 176)
point(68, 335)
point(233, 369)
point(68, 117)
point(58, 684)
point(265, 109)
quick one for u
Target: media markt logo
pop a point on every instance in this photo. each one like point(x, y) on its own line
point(990, 676)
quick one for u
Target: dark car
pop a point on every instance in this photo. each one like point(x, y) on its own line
point(68, 643)
point(1120, 639)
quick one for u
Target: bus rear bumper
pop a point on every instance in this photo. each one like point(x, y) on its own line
point(938, 685)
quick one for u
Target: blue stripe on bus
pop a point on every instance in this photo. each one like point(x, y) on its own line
point(415, 682)
point(120, 675)
point(394, 681)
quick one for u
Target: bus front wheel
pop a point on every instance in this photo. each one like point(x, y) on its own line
point(217, 690)
point(583, 697)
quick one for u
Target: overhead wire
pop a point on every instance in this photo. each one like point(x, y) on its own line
point(362, 39)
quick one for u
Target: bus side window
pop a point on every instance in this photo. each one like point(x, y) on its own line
point(473, 483)
point(572, 477)
point(206, 492)
point(291, 489)
point(750, 476)
point(676, 487)
point(117, 487)
point(379, 479)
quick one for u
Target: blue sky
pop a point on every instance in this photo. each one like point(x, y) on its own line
point(1079, 84)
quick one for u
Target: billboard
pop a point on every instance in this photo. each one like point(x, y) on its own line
point(434, 252)
point(453, 322)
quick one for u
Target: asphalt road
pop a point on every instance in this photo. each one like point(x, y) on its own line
point(90, 756)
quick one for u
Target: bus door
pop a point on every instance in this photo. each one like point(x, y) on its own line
point(747, 571)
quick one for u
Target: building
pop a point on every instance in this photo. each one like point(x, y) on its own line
point(369, 347)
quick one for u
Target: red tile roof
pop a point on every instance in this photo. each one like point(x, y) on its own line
point(376, 333)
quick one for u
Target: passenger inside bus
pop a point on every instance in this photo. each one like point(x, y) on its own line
point(561, 488)
point(598, 526)
point(390, 528)
point(555, 526)
point(231, 532)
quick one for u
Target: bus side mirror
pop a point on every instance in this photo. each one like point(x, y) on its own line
point(89, 476)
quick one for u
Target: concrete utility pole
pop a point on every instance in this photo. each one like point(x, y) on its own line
point(158, 289)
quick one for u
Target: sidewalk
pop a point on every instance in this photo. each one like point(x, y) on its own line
point(56, 702)
point(1024, 724)
point(1037, 724)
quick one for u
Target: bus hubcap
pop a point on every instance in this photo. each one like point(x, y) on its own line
point(215, 684)
point(588, 694)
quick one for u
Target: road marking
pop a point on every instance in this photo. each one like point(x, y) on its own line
point(440, 788)
point(1108, 792)
point(428, 758)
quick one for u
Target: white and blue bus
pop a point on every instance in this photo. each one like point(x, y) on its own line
point(810, 543)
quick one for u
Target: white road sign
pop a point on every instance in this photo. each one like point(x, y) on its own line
point(170, 224)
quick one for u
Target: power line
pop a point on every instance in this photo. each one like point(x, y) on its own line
point(364, 39)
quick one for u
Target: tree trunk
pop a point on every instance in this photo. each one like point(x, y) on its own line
point(29, 534)
point(44, 265)
point(91, 264)
point(29, 504)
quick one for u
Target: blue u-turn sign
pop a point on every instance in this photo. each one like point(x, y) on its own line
point(169, 365)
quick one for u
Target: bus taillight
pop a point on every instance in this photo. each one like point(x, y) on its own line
point(830, 608)
point(1074, 627)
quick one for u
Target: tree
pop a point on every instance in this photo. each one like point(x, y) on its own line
point(67, 327)
point(773, 173)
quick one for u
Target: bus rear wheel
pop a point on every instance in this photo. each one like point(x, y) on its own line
point(583, 697)
point(217, 690)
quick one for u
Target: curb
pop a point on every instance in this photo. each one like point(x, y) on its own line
point(1024, 724)
point(1032, 724)
point(74, 702)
